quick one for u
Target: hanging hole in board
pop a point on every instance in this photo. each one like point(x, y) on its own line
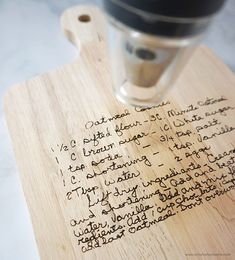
point(84, 18)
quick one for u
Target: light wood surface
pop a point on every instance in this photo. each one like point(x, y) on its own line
point(52, 121)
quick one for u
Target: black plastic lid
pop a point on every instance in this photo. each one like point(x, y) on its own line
point(164, 15)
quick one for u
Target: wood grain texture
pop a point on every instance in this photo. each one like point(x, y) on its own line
point(53, 108)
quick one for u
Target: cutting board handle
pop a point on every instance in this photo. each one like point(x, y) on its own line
point(84, 25)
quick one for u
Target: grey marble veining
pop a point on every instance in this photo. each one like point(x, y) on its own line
point(31, 43)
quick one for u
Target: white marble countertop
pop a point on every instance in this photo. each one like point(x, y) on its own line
point(32, 43)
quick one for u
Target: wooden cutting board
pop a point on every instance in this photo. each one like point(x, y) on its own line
point(107, 181)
